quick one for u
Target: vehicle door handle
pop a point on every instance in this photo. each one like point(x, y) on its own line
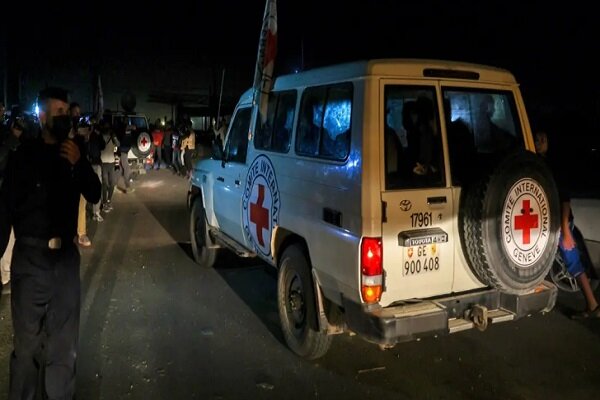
point(436, 200)
point(221, 179)
point(237, 182)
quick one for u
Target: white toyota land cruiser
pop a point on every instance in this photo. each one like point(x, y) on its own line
point(396, 198)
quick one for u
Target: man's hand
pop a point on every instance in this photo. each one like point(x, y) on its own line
point(70, 151)
point(568, 243)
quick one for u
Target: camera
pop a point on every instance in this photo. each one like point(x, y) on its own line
point(17, 118)
point(83, 122)
point(23, 121)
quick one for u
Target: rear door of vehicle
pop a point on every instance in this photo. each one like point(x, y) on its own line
point(418, 245)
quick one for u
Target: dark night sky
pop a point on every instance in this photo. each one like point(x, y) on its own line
point(548, 47)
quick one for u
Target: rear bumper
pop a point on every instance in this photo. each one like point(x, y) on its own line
point(391, 325)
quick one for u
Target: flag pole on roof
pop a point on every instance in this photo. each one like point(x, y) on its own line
point(265, 60)
point(99, 100)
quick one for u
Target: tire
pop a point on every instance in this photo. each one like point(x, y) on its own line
point(504, 248)
point(199, 237)
point(296, 301)
point(143, 145)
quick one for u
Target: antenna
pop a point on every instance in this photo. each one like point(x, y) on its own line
point(302, 54)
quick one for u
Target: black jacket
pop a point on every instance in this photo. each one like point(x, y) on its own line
point(95, 146)
point(40, 194)
point(8, 143)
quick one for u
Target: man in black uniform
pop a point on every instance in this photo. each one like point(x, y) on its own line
point(40, 199)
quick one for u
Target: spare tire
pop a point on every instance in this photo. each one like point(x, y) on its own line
point(509, 223)
point(143, 145)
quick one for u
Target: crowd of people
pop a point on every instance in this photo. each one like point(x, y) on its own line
point(174, 147)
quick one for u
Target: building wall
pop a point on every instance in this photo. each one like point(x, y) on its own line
point(142, 77)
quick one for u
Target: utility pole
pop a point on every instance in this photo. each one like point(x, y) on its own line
point(4, 63)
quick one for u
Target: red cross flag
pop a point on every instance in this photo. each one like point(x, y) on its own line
point(265, 60)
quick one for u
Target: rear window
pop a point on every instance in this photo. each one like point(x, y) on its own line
point(482, 127)
point(139, 122)
point(412, 142)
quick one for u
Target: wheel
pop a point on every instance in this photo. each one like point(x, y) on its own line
point(143, 145)
point(509, 222)
point(561, 277)
point(297, 309)
point(199, 236)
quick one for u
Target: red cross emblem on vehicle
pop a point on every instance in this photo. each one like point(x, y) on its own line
point(143, 141)
point(260, 215)
point(527, 221)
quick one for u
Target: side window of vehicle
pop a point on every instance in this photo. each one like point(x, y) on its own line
point(237, 139)
point(412, 140)
point(325, 122)
point(275, 133)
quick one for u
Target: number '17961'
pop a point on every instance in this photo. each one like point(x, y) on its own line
point(420, 220)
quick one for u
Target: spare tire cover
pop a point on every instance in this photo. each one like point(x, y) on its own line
point(509, 223)
point(143, 145)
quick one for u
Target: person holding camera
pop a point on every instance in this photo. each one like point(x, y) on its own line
point(44, 180)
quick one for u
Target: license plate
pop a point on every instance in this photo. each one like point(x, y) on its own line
point(421, 259)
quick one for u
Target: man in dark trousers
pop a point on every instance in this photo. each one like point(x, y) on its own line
point(125, 135)
point(40, 195)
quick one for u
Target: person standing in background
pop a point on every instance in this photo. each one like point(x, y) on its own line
point(82, 237)
point(125, 143)
point(109, 177)
point(9, 141)
point(157, 140)
point(567, 245)
point(96, 145)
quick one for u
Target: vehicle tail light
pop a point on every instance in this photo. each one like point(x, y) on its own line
point(371, 256)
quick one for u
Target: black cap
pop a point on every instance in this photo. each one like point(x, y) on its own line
point(53, 93)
